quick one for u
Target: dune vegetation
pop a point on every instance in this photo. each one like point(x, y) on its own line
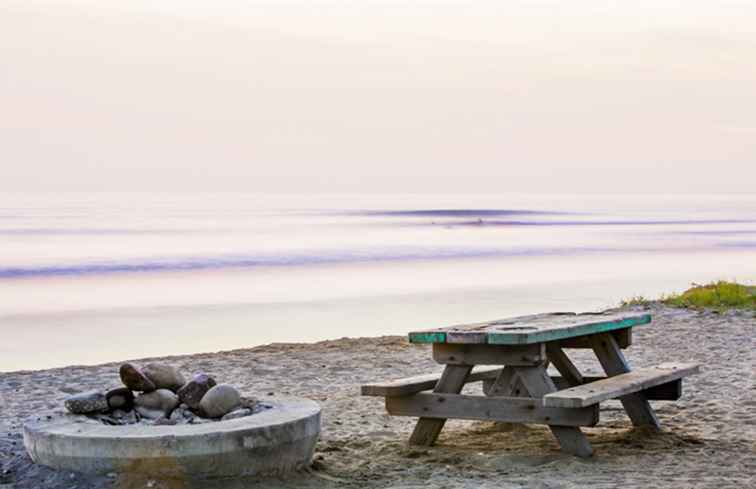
point(720, 295)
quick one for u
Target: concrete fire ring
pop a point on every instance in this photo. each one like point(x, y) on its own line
point(279, 440)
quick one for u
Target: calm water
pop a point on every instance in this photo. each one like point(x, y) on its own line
point(87, 278)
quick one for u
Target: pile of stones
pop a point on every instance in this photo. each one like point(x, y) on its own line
point(163, 397)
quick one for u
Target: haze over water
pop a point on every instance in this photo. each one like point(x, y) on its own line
point(88, 278)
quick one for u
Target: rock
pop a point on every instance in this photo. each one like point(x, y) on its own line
point(149, 413)
point(198, 420)
point(88, 402)
point(125, 417)
point(237, 413)
point(134, 379)
point(192, 392)
point(164, 376)
point(121, 398)
point(163, 421)
point(248, 402)
point(177, 415)
point(219, 401)
point(161, 400)
point(182, 414)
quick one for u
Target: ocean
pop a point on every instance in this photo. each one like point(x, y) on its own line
point(87, 278)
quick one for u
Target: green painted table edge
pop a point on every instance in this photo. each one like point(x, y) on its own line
point(541, 336)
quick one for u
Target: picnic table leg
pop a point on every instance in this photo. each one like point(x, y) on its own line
point(451, 382)
point(614, 363)
point(506, 384)
point(538, 383)
point(564, 365)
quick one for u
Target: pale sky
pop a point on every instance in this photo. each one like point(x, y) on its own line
point(378, 96)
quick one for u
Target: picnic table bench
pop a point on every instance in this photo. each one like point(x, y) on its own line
point(511, 357)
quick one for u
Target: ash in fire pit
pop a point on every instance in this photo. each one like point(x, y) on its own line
point(163, 397)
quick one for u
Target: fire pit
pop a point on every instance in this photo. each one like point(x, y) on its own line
point(174, 428)
point(274, 441)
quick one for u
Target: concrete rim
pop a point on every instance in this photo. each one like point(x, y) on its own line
point(276, 440)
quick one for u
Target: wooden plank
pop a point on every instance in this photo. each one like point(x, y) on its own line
point(474, 332)
point(671, 391)
point(478, 333)
point(412, 385)
point(614, 363)
point(624, 339)
point(619, 385)
point(451, 382)
point(564, 329)
point(563, 364)
point(467, 337)
point(570, 438)
point(502, 409)
point(530, 329)
point(456, 354)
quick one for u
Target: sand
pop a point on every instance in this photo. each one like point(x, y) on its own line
point(708, 437)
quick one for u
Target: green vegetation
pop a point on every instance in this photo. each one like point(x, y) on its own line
point(721, 295)
point(638, 300)
point(716, 295)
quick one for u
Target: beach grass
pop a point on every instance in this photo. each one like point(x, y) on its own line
point(637, 300)
point(720, 295)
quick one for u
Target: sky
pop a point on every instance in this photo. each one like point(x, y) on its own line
point(378, 96)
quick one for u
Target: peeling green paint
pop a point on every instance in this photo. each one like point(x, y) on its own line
point(540, 335)
point(431, 337)
point(545, 335)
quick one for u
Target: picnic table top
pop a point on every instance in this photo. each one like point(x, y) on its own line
point(538, 328)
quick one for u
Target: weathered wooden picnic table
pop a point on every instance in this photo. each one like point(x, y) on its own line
point(519, 389)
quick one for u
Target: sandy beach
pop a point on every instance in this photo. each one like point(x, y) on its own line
point(263, 198)
point(708, 438)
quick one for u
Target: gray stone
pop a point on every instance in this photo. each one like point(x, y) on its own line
point(164, 376)
point(178, 415)
point(248, 402)
point(219, 401)
point(182, 414)
point(134, 379)
point(149, 413)
point(199, 420)
point(163, 421)
point(161, 400)
point(237, 413)
point(125, 417)
point(121, 398)
point(276, 441)
point(88, 402)
point(192, 392)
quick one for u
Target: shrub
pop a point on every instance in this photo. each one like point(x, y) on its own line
point(717, 295)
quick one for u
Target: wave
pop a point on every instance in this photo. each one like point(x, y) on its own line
point(452, 213)
point(502, 223)
point(740, 244)
point(723, 232)
point(283, 260)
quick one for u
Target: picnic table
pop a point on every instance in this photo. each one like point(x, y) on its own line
point(511, 358)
